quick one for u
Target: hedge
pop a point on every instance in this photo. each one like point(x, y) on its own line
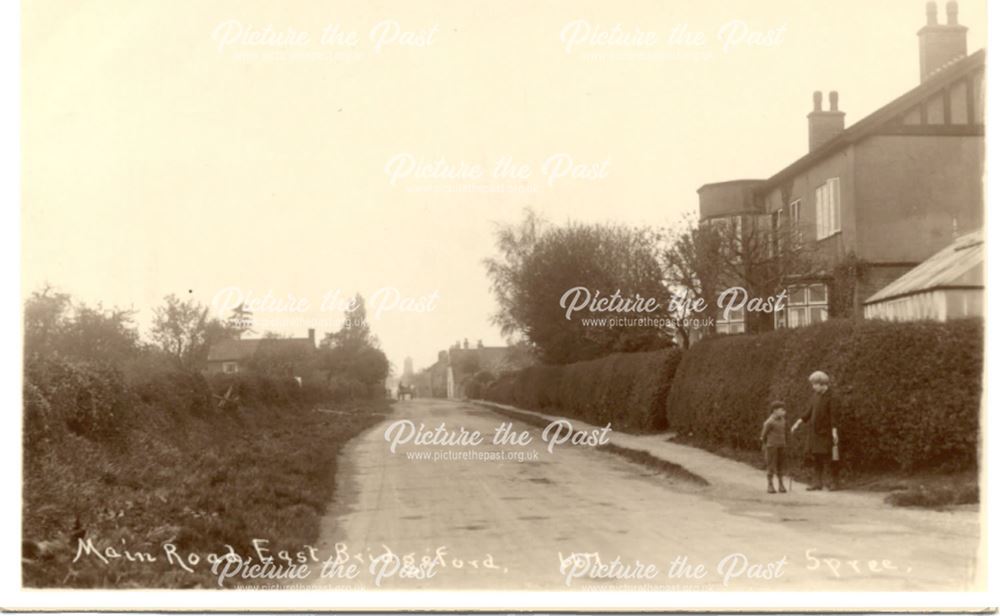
point(97, 402)
point(627, 390)
point(908, 394)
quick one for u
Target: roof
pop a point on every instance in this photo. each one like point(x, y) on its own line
point(872, 122)
point(726, 182)
point(959, 266)
point(238, 350)
point(232, 350)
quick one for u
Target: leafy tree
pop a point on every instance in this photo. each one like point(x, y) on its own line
point(515, 244)
point(44, 320)
point(538, 267)
point(55, 325)
point(354, 333)
point(180, 328)
point(352, 353)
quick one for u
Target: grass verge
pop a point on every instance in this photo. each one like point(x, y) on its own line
point(197, 484)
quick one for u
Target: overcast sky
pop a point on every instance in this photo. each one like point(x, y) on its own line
point(180, 147)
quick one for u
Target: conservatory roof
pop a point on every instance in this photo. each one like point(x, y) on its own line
point(959, 266)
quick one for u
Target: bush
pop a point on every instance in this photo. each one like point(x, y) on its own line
point(628, 390)
point(475, 386)
point(908, 394)
point(175, 392)
point(87, 399)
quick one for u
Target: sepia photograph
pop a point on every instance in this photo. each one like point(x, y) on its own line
point(568, 305)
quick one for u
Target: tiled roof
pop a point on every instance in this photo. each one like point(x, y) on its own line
point(232, 350)
point(875, 120)
point(960, 265)
point(237, 350)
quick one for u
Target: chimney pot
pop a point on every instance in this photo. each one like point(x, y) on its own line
point(824, 125)
point(941, 44)
point(952, 9)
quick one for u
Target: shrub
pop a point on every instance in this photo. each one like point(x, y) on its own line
point(87, 399)
point(908, 394)
point(176, 392)
point(475, 386)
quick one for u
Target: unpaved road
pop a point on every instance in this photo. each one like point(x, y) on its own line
point(506, 525)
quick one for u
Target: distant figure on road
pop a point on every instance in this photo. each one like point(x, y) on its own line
point(773, 439)
point(405, 390)
point(821, 434)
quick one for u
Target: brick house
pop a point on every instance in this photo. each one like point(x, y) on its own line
point(881, 196)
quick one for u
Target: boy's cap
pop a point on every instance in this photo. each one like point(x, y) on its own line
point(819, 377)
point(777, 404)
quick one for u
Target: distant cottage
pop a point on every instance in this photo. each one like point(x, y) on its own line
point(235, 356)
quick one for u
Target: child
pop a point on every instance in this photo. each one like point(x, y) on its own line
point(822, 431)
point(772, 437)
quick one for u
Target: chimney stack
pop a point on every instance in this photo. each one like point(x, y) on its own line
point(824, 125)
point(312, 336)
point(940, 44)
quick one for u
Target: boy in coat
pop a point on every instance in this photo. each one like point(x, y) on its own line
point(821, 431)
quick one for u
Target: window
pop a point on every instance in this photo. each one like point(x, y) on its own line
point(795, 216)
point(807, 304)
point(733, 325)
point(230, 367)
point(777, 227)
point(828, 208)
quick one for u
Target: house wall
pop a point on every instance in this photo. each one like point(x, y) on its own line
point(803, 187)
point(215, 367)
point(726, 198)
point(908, 191)
point(874, 278)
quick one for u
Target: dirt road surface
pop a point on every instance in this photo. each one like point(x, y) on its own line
point(559, 521)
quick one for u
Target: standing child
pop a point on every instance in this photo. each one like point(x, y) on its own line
point(773, 438)
point(821, 432)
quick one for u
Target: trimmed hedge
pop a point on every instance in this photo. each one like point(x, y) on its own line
point(627, 390)
point(908, 394)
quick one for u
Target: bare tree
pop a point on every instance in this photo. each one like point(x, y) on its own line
point(692, 266)
point(760, 253)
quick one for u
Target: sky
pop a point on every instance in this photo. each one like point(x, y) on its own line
point(310, 150)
